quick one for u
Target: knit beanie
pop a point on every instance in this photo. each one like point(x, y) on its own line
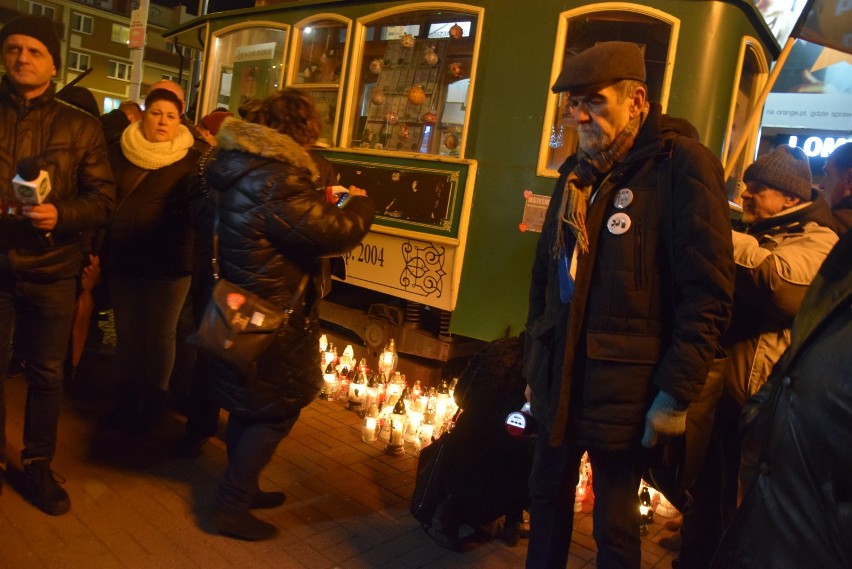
point(214, 120)
point(41, 28)
point(785, 169)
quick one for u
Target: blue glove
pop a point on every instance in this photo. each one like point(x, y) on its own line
point(666, 418)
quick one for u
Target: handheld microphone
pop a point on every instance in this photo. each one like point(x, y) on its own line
point(31, 184)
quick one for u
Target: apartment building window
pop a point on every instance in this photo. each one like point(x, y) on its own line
point(120, 34)
point(118, 70)
point(111, 103)
point(37, 9)
point(81, 23)
point(78, 61)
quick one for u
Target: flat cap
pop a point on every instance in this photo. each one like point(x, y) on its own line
point(601, 65)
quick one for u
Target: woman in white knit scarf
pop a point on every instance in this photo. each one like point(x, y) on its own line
point(149, 254)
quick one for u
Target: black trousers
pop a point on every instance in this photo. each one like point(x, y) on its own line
point(616, 476)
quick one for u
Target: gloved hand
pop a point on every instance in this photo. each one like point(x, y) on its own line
point(666, 418)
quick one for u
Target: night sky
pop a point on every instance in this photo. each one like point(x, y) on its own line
point(213, 5)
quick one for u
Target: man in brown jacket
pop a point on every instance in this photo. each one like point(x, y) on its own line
point(41, 250)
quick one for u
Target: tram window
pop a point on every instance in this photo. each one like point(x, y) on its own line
point(318, 66)
point(246, 64)
point(413, 82)
point(320, 52)
point(585, 29)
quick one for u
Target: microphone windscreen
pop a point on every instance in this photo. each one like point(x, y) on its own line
point(28, 169)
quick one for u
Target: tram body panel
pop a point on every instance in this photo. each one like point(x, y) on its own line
point(486, 291)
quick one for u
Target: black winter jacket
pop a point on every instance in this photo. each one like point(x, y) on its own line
point(797, 451)
point(68, 143)
point(637, 323)
point(151, 232)
point(275, 227)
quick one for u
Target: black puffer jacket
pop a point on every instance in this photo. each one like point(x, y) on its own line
point(69, 144)
point(275, 227)
point(637, 323)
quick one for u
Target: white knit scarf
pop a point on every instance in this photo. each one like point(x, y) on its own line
point(154, 155)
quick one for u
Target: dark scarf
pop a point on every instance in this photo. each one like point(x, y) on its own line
point(589, 170)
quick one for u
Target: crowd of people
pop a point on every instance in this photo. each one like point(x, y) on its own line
point(654, 328)
point(136, 199)
point(655, 331)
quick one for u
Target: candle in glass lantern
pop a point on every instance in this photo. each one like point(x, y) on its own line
point(357, 391)
point(398, 424)
point(368, 431)
point(323, 342)
point(343, 383)
point(348, 357)
point(370, 393)
point(329, 382)
point(388, 360)
point(415, 418)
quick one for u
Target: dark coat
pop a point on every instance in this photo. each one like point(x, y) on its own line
point(274, 228)
point(843, 215)
point(797, 507)
point(69, 145)
point(637, 323)
point(151, 233)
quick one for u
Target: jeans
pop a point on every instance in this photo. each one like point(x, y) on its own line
point(251, 443)
point(146, 316)
point(43, 313)
point(616, 519)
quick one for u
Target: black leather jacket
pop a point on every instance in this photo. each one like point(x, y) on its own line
point(69, 144)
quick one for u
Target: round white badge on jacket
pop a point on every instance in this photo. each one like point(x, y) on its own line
point(618, 223)
point(623, 198)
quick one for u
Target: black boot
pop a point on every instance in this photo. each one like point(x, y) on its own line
point(267, 500)
point(241, 524)
point(42, 490)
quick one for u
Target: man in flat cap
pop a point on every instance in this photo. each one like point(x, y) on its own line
point(789, 234)
point(41, 252)
point(631, 290)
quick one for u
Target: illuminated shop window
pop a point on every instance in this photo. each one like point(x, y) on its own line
point(412, 83)
point(654, 33)
point(247, 64)
point(319, 58)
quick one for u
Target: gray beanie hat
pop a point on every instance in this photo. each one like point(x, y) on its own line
point(785, 169)
point(41, 28)
point(601, 65)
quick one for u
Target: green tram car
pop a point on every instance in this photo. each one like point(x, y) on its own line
point(443, 113)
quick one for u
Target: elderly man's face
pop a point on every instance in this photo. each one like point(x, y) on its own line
point(601, 116)
point(29, 65)
point(760, 202)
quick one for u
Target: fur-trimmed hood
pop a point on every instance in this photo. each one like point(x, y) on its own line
point(236, 134)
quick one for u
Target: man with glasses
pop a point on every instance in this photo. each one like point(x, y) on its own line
point(631, 289)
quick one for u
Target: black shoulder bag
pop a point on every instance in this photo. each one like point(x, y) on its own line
point(238, 326)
